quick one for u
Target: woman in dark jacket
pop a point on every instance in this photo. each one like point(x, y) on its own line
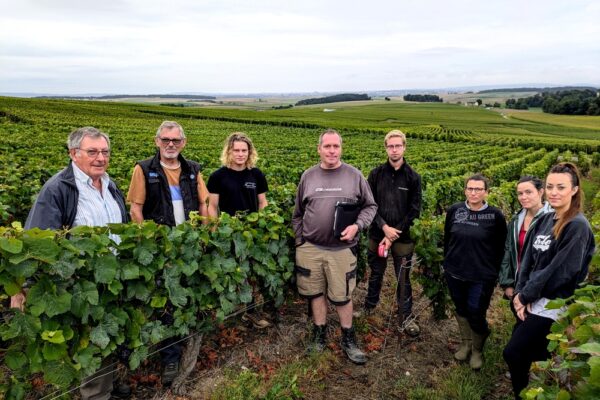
point(474, 236)
point(530, 193)
point(555, 261)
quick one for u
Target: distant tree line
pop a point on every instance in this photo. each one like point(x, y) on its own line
point(334, 99)
point(283, 107)
point(127, 96)
point(425, 98)
point(534, 89)
point(569, 102)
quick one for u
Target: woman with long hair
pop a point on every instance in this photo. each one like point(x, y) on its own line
point(555, 261)
point(530, 193)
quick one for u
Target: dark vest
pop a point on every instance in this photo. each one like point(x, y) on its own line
point(158, 205)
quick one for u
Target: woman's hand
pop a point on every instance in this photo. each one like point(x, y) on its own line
point(519, 308)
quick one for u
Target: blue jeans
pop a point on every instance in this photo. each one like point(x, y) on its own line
point(471, 300)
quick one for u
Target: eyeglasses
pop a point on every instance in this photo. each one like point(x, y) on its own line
point(93, 153)
point(394, 146)
point(474, 190)
point(166, 141)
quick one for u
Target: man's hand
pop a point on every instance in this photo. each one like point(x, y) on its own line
point(509, 292)
point(349, 233)
point(18, 301)
point(391, 233)
point(386, 242)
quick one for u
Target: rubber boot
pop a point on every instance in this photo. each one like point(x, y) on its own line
point(319, 336)
point(478, 340)
point(464, 350)
point(350, 347)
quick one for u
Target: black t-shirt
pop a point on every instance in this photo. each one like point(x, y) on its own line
point(237, 190)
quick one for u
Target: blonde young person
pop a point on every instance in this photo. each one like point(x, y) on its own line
point(556, 257)
point(238, 186)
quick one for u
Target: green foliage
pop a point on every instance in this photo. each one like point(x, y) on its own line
point(114, 293)
point(573, 371)
point(429, 235)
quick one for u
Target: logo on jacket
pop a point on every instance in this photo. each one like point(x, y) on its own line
point(461, 215)
point(542, 242)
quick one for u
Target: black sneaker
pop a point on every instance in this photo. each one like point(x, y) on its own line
point(318, 342)
point(350, 347)
point(169, 373)
point(122, 391)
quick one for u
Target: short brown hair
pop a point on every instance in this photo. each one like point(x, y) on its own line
point(395, 133)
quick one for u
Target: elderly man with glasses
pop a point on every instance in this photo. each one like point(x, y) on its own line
point(165, 188)
point(81, 194)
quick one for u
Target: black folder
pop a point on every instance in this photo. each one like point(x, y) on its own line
point(345, 215)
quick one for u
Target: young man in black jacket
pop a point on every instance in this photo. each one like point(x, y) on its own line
point(396, 188)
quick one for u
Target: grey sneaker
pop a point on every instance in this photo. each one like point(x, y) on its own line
point(350, 347)
point(169, 373)
point(318, 342)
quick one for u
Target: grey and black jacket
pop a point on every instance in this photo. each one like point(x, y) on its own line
point(553, 268)
point(508, 268)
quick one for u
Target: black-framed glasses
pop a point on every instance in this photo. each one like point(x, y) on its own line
point(474, 190)
point(93, 153)
point(166, 141)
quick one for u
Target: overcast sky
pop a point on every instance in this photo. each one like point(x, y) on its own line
point(146, 46)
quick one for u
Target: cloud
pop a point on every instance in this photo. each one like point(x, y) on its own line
point(228, 46)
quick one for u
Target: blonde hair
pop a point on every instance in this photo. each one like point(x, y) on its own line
point(227, 154)
point(395, 133)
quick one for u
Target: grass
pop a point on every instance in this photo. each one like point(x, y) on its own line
point(286, 383)
point(458, 381)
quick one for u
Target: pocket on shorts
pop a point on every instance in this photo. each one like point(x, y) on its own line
point(349, 276)
point(301, 270)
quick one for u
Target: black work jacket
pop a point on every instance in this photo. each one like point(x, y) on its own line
point(398, 197)
point(56, 205)
point(158, 205)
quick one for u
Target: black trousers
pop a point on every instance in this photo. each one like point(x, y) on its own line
point(527, 344)
point(401, 255)
point(471, 300)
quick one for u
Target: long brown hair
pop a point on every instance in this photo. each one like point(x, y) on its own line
point(576, 200)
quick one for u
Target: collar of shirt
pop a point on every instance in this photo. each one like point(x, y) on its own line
point(483, 207)
point(83, 178)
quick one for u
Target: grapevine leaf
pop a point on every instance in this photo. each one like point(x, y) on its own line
point(21, 325)
point(130, 271)
point(158, 301)
point(99, 336)
point(43, 249)
point(137, 356)
point(11, 245)
point(144, 256)
point(138, 290)
point(9, 285)
point(24, 269)
point(54, 351)
point(15, 359)
point(53, 336)
point(105, 268)
point(58, 304)
point(88, 363)
point(59, 373)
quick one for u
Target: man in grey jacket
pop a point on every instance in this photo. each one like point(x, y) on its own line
point(80, 194)
point(326, 264)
